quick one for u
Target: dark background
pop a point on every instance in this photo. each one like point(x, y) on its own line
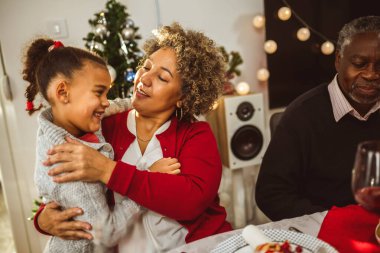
point(298, 66)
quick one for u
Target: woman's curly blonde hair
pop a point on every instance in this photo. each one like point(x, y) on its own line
point(200, 64)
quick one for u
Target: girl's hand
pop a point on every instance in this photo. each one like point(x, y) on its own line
point(59, 223)
point(166, 165)
point(78, 162)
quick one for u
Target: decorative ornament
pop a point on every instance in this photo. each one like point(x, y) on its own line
point(242, 88)
point(129, 23)
point(139, 54)
point(258, 21)
point(102, 19)
point(112, 72)
point(262, 74)
point(303, 34)
point(128, 33)
point(270, 46)
point(100, 30)
point(284, 13)
point(130, 75)
point(97, 46)
point(228, 88)
point(327, 48)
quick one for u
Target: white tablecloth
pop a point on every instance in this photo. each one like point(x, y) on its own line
point(308, 224)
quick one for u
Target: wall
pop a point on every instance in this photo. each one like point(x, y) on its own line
point(228, 22)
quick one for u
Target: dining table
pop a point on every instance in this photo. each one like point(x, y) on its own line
point(344, 229)
point(308, 224)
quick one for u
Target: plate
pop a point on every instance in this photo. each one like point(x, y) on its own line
point(309, 243)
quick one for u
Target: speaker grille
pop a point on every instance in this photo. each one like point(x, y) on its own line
point(247, 142)
point(245, 111)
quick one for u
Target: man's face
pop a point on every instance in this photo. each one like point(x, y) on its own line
point(359, 70)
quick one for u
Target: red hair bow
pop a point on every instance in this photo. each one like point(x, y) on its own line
point(57, 44)
point(29, 106)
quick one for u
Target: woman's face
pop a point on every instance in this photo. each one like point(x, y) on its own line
point(157, 88)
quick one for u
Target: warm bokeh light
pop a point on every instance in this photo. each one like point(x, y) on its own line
point(215, 105)
point(270, 46)
point(327, 48)
point(262, 74)
point(258, 21)
point(303, 34)
point(284, 13)
point(242, 88)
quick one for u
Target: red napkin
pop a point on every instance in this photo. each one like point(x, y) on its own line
point(350, 229)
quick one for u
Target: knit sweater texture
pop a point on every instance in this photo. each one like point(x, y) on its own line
point(307, 166)
point(108, 225)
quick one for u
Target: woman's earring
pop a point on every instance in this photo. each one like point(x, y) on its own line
point(179, 113)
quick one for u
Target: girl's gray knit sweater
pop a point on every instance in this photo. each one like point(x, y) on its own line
point(109, 225)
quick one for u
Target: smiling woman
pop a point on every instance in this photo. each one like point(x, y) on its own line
point(181, 77)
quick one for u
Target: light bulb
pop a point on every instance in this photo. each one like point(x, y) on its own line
point(262, 74)
point(215, 105)
point(303, 34)
point(242, 88)
point(270, 46)
point(327, 48)
point(284, 13)
point(258, 21)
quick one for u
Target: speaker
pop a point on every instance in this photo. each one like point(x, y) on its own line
point(238, 125)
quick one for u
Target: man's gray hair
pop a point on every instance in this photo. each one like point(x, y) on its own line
point(356, 26)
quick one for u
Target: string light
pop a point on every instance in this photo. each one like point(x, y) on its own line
point(327, 48)
point(242, 88)
point(258, 21)
point(303, 34)
point(262, 74)
point(270, 46)
point(284, 13)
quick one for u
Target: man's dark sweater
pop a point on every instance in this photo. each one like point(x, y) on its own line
point(307, 167)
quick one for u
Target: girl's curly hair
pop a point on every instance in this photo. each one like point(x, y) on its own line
point(200, 64)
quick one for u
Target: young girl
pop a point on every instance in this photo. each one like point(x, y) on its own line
point(75, 83)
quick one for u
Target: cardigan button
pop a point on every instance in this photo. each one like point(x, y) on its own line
point(107, 148)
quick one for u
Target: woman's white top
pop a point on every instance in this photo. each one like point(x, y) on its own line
point(153, 232)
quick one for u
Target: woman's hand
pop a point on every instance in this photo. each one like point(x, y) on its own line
point(78, 162)
point(59, 223)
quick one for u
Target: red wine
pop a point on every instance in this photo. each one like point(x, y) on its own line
point(369, 198)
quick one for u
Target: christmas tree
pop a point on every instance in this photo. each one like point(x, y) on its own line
point(114, 38)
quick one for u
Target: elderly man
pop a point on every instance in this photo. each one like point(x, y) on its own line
point(307, 167)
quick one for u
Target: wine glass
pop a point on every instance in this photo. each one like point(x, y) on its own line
point(366, 175)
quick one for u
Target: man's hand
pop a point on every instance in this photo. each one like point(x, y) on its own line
point(59, 223)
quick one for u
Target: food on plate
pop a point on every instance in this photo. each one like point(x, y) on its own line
point(278, 247)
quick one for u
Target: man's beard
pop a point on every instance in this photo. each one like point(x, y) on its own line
point(364, 99)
